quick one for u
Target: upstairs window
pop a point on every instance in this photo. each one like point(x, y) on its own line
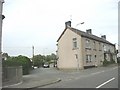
point(74, 43)
point(88, 44)
point(94, 45)
point(104, 47)
point(100, 47)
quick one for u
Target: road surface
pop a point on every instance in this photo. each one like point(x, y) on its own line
point(101, 77)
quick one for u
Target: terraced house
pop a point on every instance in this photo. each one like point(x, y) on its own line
point(77, 49)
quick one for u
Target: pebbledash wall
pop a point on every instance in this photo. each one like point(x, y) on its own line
point(11, 75)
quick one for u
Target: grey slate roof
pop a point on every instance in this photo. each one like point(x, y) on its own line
point(84, 34)
point(91, 36)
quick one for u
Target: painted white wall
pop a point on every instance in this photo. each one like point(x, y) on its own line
point(66, 53)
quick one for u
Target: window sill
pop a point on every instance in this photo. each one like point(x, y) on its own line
point(75, 48)
point(88, 48)
point(89, 62)
point(94, 49)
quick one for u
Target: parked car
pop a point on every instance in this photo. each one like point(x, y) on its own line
point(46, 65)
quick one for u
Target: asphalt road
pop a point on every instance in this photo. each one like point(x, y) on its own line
point(101, 77)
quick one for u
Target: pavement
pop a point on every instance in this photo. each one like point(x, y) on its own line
point(46, 76)
point(33, 81)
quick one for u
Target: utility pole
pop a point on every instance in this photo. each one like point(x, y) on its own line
point(33, 51)
point(33, 55)
point(1, 18)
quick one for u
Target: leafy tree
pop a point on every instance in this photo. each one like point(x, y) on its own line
point(5, 56)
point(48, 58)
point(53, 56)
point(38, 60)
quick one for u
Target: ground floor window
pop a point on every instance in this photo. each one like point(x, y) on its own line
point(88, 58)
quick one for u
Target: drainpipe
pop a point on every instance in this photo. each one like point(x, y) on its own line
point(79, 63)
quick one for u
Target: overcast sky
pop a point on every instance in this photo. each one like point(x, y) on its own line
point(40, 22)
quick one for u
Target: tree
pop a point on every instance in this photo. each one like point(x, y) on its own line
point(53, 56)
point(48, 58)
point(5, 56)
point(38, 60)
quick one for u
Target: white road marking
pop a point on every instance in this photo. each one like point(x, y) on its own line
point(105, 82)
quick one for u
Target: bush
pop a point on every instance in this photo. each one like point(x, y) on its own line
point(118, 60)
point(105, 62)
point(19, 61)
point(112, 61)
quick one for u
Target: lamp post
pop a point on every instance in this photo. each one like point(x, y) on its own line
point(1, 18)
point(80, 23)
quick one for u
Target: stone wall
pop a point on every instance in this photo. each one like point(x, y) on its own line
point(11, 75)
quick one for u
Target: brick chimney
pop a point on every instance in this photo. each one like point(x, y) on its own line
point(67, 24)
point(89, 31)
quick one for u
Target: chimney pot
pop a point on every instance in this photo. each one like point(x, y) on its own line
point(103, 36)
point(89, 31)
point(67, 24)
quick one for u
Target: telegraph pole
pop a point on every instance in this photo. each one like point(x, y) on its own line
point(33, 51)
point(1, 18)
point(33, 54)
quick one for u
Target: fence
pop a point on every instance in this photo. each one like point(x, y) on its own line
point(11, 75)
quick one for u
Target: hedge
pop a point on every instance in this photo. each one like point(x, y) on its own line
point(19, 61)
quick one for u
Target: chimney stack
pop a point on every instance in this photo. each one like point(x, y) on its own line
point(67, 24)
point(103, 37)
point(89, 31)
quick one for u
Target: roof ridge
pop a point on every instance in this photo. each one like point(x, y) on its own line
point(84, 34)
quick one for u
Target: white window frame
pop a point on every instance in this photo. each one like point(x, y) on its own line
point(88, 58)
point(88, 44)
point(74, 43)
